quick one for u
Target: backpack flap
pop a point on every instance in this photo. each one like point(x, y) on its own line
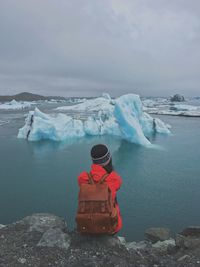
point(93, 192)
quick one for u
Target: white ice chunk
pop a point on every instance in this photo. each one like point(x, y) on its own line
point(179, 107)
point(96, 104)
point(15, 105)
point(3, 122)
point(106, 96)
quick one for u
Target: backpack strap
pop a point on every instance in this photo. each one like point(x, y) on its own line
point(103, 178)
point(91, 181)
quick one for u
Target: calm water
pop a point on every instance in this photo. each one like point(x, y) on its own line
point(161, 187)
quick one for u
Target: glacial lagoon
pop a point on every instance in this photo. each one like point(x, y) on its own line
point(161, 186)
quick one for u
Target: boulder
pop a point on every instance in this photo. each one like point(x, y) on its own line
point(177, 98)
point(54, 237)
point(189, 238)
point(157, 234)
point(191, 231)
point(41, 222)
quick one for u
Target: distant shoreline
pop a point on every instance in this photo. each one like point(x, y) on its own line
point(28, 97)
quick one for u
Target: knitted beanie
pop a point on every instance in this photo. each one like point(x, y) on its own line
point(100, 155)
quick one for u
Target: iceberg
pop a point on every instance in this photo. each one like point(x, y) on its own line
point(15, 105)
point(123, 117)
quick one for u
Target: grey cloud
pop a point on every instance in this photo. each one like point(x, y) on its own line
point(88, 47)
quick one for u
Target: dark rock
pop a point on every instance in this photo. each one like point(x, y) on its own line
point(191, 231)
point(95, 241)
point(187, 242)
point(157, 234)
point(189, 238)
point(183, 258)
point(177, 98)
point(163, 247)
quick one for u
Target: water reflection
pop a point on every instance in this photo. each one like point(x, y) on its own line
point(43, 147)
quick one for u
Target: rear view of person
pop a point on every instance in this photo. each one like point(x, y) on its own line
point(98, 210)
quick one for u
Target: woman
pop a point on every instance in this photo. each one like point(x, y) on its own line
point(102, 165)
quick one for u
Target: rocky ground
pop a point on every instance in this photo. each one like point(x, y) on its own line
point(43, 240)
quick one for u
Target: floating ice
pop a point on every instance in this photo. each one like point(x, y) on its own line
point(76, 100)
point(155, 102)
point(179, 107)
point(191, 113)
point(15, 105)
point(3, 122)
point(161, 106)
point(123, 117)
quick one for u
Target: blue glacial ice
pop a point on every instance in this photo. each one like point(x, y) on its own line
point(128, 113)
point(123, 117)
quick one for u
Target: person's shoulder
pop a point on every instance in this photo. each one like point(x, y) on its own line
point(83, 173)
point(83, 176)
point(115, 175)
point(114, 179)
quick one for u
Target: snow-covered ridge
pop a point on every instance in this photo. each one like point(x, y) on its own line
point(122, 117)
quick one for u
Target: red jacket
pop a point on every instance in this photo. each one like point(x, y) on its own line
point(113, 181)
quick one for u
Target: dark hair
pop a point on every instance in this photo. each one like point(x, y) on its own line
point(109, 167)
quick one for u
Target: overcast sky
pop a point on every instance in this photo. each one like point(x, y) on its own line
point(85, 47)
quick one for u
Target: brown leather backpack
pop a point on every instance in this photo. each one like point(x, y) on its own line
point(97, 213)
